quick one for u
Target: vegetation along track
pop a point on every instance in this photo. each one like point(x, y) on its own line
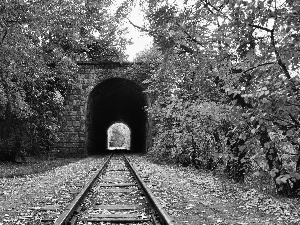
point(116, 194)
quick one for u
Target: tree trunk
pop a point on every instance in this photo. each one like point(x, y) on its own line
point(9, 150)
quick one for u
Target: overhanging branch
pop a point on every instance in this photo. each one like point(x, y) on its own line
point(260, 27)
point(4, 35)
point(255, 67)
point(139, 27)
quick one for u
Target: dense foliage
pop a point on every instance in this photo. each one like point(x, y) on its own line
point(225, 80)
point(118, 136)
point(40, 42)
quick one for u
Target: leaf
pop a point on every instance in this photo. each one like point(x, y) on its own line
point(267, 145)
point(273, 172)
point(282, 179)
point(296, 175)
point(257, 173)
point(264, 100)
point(290, 133)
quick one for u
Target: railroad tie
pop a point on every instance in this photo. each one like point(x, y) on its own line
point(123, 190)
point(119, 196)
point(117, 185)
point(117, 207)
point(115, 220)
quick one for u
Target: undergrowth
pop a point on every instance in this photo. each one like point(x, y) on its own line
point(32, 166)
point(263, 182)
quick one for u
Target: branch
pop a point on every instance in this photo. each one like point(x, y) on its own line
point(4, 36)
point(254, 160)
point(292, 104)
point(189, 36)
point(280, 126)
point(138, 27)
point(294, 119)
point(274, 117)
point(223, 5)
point(207, 4)
point(289, 153)
point(186, 49)
point(235, 71)
point(215, 8)
point(288, 123)
point(263, 64)
point(260, 27)
point(279, 61)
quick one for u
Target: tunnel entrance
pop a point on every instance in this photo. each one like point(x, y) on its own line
point(118, 137)
point(112, 101)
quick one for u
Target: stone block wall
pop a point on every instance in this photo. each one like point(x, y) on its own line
point(72, 133)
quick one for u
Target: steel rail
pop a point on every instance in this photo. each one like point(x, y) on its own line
point(164, 217)
point(67, 214)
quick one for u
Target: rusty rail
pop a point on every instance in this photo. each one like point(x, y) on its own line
point(67, 214)
point(165, 219)
point(68, 217)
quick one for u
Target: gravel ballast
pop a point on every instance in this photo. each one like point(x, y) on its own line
point(188, 195)
point(197, 197)
point(28, 199)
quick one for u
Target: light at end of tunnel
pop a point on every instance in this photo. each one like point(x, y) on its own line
point(118, 137)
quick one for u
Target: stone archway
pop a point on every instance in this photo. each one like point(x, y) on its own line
point(113, 100)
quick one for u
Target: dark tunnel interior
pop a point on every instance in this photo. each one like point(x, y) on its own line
point(116, 100)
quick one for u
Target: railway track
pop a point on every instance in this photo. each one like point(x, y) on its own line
point(115, 194)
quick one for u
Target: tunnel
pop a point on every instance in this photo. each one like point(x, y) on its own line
point(116, 100)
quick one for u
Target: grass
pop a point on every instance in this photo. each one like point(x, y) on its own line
point(32, 166)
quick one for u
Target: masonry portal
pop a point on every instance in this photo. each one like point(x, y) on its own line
point(112, 101)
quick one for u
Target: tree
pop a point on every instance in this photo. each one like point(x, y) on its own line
point(40, 42)
point(243, 55)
